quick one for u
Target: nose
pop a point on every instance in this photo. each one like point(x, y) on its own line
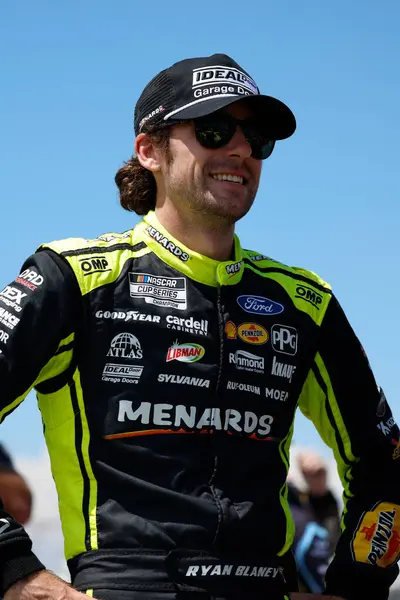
point(238, 145)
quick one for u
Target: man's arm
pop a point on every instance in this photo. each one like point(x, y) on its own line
point(38, 311)
point(341, 397)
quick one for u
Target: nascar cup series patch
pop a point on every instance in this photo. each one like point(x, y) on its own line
point(377, 539)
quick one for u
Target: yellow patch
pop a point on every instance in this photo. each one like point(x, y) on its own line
point(252, 333)
point(377, 540)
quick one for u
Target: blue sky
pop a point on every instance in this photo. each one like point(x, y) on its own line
point(329, 200)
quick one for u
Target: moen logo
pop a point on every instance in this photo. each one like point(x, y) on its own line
point(309, 295)
point(252, 333)
point(94, 264)
point(185, 352)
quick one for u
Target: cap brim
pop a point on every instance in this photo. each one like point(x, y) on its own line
point(276, 117)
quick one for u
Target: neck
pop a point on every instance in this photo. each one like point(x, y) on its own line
point(209, 238)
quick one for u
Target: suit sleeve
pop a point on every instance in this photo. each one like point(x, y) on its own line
point(353, 417)
point(39, 312)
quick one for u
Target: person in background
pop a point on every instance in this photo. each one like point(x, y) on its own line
point(315, 513)
point(14, 491)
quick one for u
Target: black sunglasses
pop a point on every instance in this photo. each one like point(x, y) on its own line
point(217, 129)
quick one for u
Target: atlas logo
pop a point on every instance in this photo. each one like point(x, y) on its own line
point(308, 295)
point(259, 305)
point(94, 264)
point(284, 339)
point(125, 345)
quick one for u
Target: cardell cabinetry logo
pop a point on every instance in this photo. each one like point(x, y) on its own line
point(185, 352)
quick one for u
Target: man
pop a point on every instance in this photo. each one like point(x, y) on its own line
point(168, 366)
point(316, 519)
point(14, 492)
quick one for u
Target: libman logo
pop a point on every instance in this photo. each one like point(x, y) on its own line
point(377, 539)
point(185, 352)
point(147, 418)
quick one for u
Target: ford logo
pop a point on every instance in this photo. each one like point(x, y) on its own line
point(258, 305)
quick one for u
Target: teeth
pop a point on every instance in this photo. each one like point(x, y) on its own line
point(225, 177)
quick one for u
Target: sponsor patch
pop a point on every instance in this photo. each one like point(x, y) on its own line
point(4, 337)
point(127, 315)
point(114, 373)
point(276, 394)
point(8, 319)
point(183, 380)
point(308, 295)
point(187, 353)
point(125, 345)
point(245, 361)
point(12, 297)
point(284, 339)
point(180, 418)
point(167, 244)
point(252, 333)
point(30, 279)
point(160, 291)
point(259, 305)
point(189, 325)
point(377, 539)
point(282, 369)
point(243, 387)
point(94, 264)
point(234, 268)
point(230, 330)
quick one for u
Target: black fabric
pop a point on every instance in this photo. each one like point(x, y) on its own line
point(5, 459)
point(195, 87)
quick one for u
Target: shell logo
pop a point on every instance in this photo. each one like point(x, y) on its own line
point(230, 330)
point(252, 333)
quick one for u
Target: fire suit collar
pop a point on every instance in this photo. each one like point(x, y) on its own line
point(192, 264)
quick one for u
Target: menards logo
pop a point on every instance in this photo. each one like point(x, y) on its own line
point(185, 352)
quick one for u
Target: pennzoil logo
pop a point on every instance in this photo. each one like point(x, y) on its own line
point(377, 539)
point(185, 352)
point(252, 333)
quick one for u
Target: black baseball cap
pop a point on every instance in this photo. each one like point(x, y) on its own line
point(196, 87)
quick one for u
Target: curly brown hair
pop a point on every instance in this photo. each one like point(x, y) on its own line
point(137, 186)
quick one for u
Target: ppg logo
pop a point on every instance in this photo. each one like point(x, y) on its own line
point(284, 339)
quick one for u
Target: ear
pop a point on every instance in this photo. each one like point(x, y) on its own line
point(147, 153)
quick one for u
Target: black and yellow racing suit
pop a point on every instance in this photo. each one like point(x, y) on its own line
point(167, 384)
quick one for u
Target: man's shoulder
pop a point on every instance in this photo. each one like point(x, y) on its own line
point(76, 245)
point(267, 264)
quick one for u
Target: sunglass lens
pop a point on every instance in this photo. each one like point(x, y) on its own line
point(214, 132)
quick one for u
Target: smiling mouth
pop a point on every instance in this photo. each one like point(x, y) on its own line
point(230, 178)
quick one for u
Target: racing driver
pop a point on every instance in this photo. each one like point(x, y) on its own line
point(168, 365)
